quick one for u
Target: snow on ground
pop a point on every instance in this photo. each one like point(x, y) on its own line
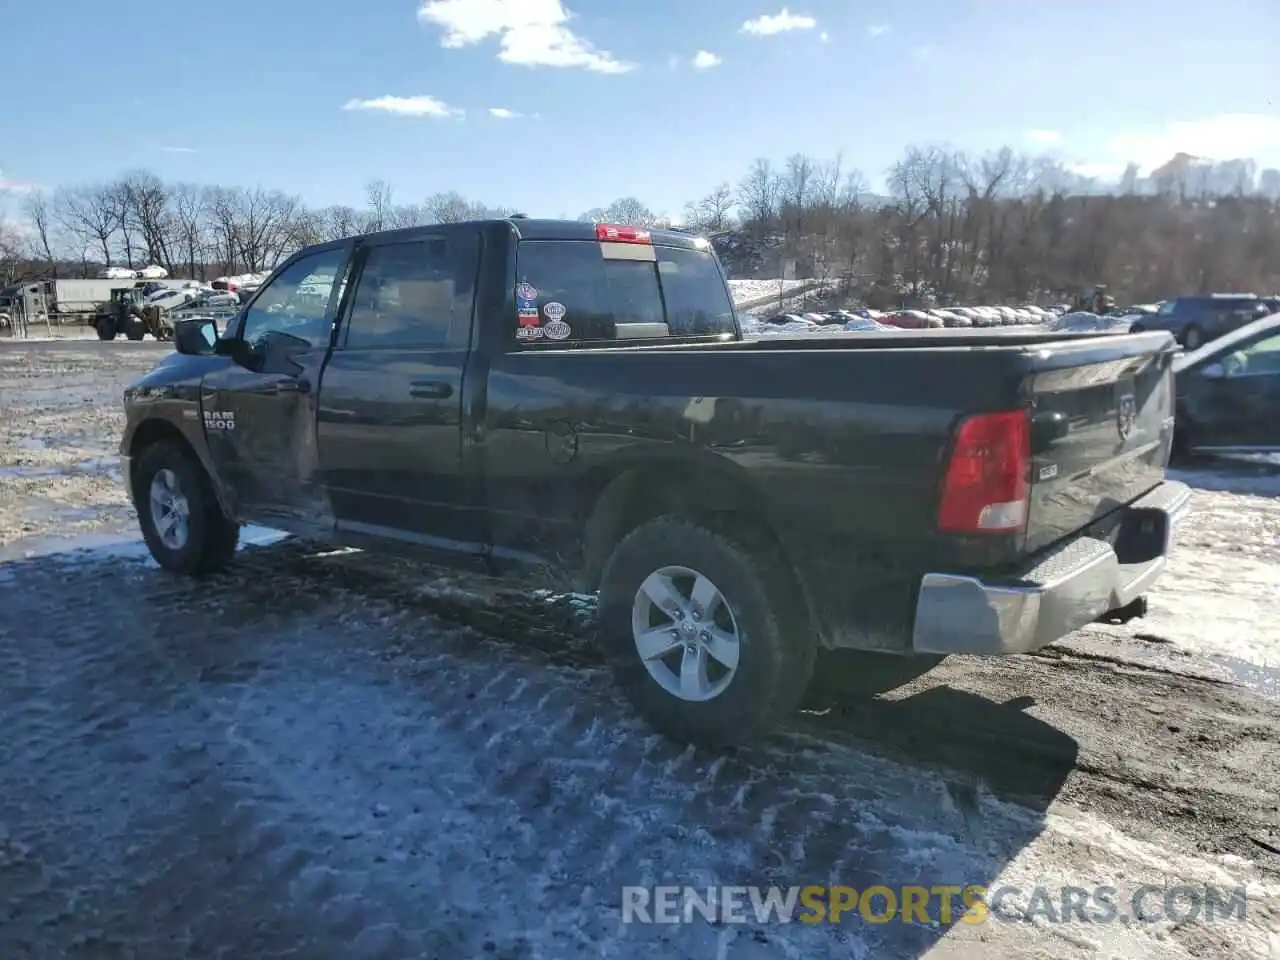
point(746, 291)
point(1218, 595)
point(306, 754)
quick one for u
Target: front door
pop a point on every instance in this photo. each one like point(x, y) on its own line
point(260, 423)
point(1237, 407)
point(390, 418)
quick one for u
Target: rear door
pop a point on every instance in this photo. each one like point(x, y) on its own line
point(1102, 424)
point(577, 293)
point(389, 431)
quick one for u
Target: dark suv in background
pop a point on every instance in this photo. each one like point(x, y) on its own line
point(1196, 320)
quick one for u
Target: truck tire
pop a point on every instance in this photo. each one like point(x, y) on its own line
point(135, 329)
point(1192, 338)
point(725, 651)
point(182, 523)
point(106, 329)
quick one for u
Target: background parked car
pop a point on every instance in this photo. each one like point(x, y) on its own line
point(1228, 392)
point(1196, 320)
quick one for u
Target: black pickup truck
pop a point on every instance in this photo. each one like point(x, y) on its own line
point(535, 398)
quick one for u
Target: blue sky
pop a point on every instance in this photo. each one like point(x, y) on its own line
point(605, 96)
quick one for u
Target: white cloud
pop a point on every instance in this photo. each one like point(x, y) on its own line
point(1225, 137)
point(502, 113)
point(177, 149)
point(783, 22)
point(419, 106)
point(1232, 136)
point(824, 36)
point(531, 33)
point(1098, 171)
point(1043, 138)
point(13, 186)
point(705, 60)
point(878, 29)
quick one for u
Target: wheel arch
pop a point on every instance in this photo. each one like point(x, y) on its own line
point(155, 430)
point(701, 488)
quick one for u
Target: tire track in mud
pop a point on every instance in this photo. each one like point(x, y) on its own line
point(327, 778)
point(327, 760)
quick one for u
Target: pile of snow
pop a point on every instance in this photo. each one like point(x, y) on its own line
point(748, 291)
point(754, 329)
point(150, 272)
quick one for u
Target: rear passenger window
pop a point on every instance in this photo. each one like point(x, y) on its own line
point(569, 291)
point(415, 294)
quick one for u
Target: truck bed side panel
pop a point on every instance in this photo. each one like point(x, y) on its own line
point(848, 475)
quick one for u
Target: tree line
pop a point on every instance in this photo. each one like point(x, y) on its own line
point(951, 228)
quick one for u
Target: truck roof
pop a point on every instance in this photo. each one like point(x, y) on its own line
point(526, 228)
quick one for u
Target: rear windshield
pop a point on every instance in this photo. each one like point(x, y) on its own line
point(567, 290)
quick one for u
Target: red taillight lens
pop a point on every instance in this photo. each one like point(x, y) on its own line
point(613, 233)
point(987, 485)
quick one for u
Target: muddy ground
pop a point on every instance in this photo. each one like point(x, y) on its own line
point(334, 754)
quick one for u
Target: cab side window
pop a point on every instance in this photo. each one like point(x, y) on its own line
point(296, 303)
point(414, 294)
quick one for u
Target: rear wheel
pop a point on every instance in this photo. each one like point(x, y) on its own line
point(106, 328)
point(704, 631)
point(182, 524)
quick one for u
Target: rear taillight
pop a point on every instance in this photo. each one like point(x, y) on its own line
point(987, 485)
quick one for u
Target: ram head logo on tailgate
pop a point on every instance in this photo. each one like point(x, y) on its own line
point(1126, 414)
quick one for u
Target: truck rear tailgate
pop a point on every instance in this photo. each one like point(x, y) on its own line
point(1101, 429)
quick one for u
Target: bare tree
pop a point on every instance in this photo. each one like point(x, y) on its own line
point(91, 215)
point(190, 216)
point(758, 195)
point(995, 228)
point(147, 207)
point(337, 223)
point(36, 208)
point(450, 207)
point(378, 198)
point(712, 214)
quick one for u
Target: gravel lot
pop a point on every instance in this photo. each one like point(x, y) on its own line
point(331, 754)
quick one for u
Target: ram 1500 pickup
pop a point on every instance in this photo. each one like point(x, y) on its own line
point(528, 396)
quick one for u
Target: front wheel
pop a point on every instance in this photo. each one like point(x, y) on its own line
point(1192, 338)
point(704, 631)
point(182, 523)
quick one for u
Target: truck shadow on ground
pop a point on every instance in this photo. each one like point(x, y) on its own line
point(508, 698)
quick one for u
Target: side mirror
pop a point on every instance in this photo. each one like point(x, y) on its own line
point(1214, 371)
point(195, 337)
point(241, 353)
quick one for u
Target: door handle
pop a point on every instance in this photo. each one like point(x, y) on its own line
point(289, 386)
point(430, 390)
